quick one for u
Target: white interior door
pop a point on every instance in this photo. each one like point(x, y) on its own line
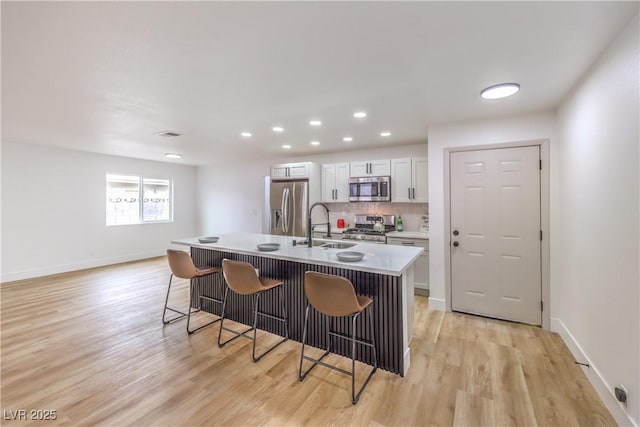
point(495, 233)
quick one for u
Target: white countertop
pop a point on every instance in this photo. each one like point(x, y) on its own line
point(381, 259)
point(409, 234)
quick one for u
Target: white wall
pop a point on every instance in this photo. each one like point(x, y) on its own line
point(230, 196)
point(230, 193)
point(596, 277)
point(53, 211)
point(522, 128)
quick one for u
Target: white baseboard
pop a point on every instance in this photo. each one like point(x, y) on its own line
point(81, 265)
point(437, 304)
point(604, 390)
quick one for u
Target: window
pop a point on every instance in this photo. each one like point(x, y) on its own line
point(135, 200)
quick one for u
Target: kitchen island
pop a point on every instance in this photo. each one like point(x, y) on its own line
point(385, 274)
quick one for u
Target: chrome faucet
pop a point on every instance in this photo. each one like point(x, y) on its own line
point(309, 239)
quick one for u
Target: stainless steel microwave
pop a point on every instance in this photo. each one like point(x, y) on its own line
point(370, 189)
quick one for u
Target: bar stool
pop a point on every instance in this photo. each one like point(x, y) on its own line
point(182, 266)
point(334, 296)
point(243, 279)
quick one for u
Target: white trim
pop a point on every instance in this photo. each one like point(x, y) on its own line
point(407, 316)
point(407, 361)
point(64, 268)
point(604, 390)
point(544, 218)
point(437, 304)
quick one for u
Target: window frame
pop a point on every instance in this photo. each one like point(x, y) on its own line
point(141, 179)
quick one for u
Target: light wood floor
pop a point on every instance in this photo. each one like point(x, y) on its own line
point(90, 345)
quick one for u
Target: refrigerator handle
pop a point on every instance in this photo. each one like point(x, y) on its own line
point(288, 209)
point(283, 209)
point(294, 204)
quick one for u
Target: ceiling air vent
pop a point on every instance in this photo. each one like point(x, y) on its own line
point(168, 134)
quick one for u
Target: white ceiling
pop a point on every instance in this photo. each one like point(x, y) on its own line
point(106, 76)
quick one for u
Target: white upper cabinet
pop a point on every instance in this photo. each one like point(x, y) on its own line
point(410, 180)
point(335, 182)
point(371, 168)
point(291, 170)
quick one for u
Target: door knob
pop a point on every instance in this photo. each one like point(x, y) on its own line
point(456, 244)
point(455, 232)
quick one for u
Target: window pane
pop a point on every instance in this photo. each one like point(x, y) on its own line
point(156, 202)
point(123, 199)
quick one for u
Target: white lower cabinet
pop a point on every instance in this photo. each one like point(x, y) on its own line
point(421, 267)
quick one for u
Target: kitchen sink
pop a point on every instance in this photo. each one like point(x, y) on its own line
point(329, 244)
point(337, 245)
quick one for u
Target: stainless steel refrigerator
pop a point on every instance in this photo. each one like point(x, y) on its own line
point(289, 207)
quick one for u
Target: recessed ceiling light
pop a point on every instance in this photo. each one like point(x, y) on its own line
point(168, 134)
point(360, 115)
point(347, 139)
point(315, 142)
point(287, 146)
point(277, 129)
point(173, 155)
point(500, 91)
point(315, 122)
point(385, 133)
point(246, 134)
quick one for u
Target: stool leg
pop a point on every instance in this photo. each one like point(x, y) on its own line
point(198, 295)
point(354, 400)
point(255, 325)
point(166, 302)
point(373, 339)
point(255, 329)
point(224, 306)
point(190, 304)
point(356, 397)
point(301, 376)
point(329, 319)
point(284, 313)
point(304, 340)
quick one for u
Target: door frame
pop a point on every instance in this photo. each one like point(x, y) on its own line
point(544, 218)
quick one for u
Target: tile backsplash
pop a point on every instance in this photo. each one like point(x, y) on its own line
point(411, 212)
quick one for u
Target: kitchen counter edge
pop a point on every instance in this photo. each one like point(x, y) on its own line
point(380, 259)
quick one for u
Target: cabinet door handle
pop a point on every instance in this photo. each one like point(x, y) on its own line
point(409, 193)
point(408, 243)
point(336, 190)
point(413, 193)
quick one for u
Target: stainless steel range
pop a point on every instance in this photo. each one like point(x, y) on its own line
point(371, 228)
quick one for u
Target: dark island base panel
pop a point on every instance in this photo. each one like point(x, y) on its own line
point(385, 290)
